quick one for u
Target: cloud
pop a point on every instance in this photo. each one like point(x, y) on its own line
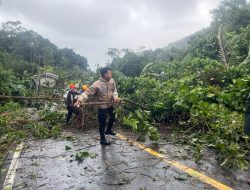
point(92, 26)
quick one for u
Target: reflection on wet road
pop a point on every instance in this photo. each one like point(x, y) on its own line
point(48, 164)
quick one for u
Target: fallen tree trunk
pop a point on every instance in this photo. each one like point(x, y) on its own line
point(123, 100)
point(31, 98)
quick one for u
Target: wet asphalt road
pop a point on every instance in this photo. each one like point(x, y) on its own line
point(46, 164)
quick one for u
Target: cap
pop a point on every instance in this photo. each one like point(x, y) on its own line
point(84, 87)
point(72, 86)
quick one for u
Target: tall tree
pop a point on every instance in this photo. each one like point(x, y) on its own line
point(232, 14)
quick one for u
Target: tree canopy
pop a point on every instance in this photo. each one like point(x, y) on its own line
point(31, 47)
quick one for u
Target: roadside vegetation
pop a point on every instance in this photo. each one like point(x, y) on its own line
point(199, 88)
point(17, 125)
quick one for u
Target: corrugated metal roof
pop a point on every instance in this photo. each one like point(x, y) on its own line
point(50, 75)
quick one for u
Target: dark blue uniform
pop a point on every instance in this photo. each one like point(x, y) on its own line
point(70, 104)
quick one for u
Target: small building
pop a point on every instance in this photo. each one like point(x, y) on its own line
point(48, 80)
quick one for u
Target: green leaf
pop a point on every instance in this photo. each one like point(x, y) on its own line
point(67, 147)
point(81, 155)
point(92, 155)
point(181, 177)
point(210, 95)
point(182, 122)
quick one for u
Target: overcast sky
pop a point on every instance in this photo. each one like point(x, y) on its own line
point(90, 27)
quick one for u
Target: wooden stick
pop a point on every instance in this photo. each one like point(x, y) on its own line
point(62, 99)
point(132, 102)
point(99, 103)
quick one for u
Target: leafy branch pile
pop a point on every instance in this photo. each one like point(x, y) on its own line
point(16, 126)
point(140, 122)
point(195, 89)
point(201, 96)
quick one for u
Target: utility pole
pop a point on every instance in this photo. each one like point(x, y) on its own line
point(39, 63)
point(31, 56)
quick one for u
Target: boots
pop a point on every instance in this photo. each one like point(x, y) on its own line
point(103, 140)
point(109, 130)
point(110, 133)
